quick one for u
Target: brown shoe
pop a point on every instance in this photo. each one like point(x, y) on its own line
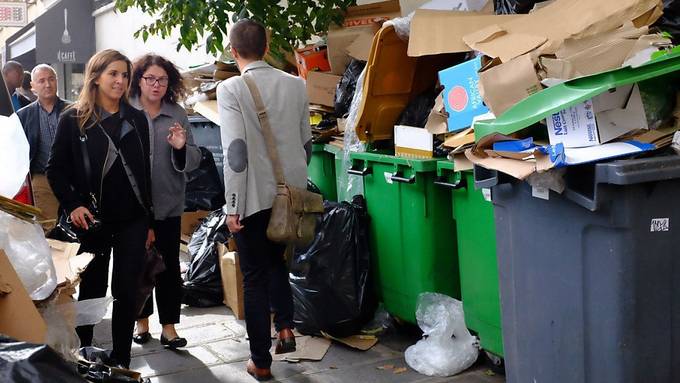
point(260, 374)
point(285, 342)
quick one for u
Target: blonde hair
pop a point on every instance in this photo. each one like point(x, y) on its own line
point(86, 104)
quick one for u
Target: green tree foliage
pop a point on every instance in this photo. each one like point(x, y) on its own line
point(291, 24)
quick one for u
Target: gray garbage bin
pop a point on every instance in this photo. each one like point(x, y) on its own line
point(590, 279)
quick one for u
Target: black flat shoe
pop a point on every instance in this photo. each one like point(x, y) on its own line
point(141, 338)
point(174, 342)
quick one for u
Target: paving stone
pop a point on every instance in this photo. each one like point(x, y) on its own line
point(340, 355)
point(168, 361)
point(230, 350)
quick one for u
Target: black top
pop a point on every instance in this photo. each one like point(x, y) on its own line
point(66, 173)
point(118, 202)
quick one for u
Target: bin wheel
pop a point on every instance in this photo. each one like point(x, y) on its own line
point(497, 363)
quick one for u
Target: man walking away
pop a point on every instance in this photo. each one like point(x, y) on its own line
point(13, 72)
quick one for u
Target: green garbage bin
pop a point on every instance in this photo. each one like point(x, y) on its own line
point(412, 245)
point(321, 171)
point(476, 235)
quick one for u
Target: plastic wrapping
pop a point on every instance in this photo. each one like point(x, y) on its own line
point(204, 189)
point(509, 7)
point(14, 150)
point(335, 268)
point(311, 186)
point(30, 255)
point(91, 311)
point(22, 362)
point(402, 26)
point(346, 87)
point(203, 281)
point(61, 333)
point(354, 185)
point(447, 347)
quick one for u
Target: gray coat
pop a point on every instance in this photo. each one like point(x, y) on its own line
point(168, 166)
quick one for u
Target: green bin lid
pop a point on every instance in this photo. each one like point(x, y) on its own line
point(554, 99)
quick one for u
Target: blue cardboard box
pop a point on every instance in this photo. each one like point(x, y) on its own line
point(462, 99)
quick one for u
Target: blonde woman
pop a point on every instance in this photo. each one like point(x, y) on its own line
point(110, 172)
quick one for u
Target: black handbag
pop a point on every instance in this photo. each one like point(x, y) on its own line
point(68, 230)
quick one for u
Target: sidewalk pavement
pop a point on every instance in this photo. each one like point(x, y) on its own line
point(218, 351)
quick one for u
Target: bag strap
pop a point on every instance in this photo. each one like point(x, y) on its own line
point(266, 128)
point(88, 167)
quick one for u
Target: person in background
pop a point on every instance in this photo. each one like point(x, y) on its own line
point(116, 136)
point(155, 88)
point(25, 89)
point(13, 72)
point(250, 185)
point(39, 120)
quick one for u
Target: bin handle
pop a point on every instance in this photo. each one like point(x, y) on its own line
point(460, 184)
point(360, 172)
point(399, 177)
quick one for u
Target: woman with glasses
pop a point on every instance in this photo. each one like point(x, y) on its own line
point(99, 171)
point(156, 87)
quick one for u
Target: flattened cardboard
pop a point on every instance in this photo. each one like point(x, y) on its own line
point(307, 348)
point(436, 121)
point(321, 88)
point(208, 109)
point(464, 137)
point(67, 262)
point(574, 46)
point(19, 318)
point(191, 220)
point(502, 86)
point(564, 19)
point(604, 57)
point(358, 342)
point(436, 32)
point(361, 23)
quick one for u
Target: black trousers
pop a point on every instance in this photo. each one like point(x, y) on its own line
point(265, 285)
point(127, 240)
point(168, 283)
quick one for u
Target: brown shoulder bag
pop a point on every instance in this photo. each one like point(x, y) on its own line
point(295, 210)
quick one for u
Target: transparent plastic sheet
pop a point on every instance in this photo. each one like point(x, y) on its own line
point(30, 255)
point(61, 333)
point(447, 347)
point(402, 26)
point(13, 155)
point(91, 311)
point(354, 184)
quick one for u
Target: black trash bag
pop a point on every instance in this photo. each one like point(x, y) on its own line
point(670, 21)
point(346, 87)
point(99, 369)
point(203, 281)
point(330, 279)
point(22, 362)
point(511, 7)
point(204, 189)
point(416, 112)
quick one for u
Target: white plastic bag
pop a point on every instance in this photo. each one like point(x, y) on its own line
point(61, 333)
point(91, 311)
point(354, 184)
point(30, 255)
point(13, 156)
point(447, 347)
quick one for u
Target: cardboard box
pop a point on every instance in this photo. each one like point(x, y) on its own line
point(191, 220)
point(321, 88)
point(599, 120)
point(355, 36)
point(232, 280)
point(436, 32)
point(461, 94)
point(502, 85)
point(19, 318)
point(548, 27)
point(312, 58)
point(413, 142)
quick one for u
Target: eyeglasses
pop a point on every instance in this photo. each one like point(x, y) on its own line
point(151, 80)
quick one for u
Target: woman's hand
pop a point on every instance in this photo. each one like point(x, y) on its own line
point(150, 239)
point(177, 137)
point(81, 217)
